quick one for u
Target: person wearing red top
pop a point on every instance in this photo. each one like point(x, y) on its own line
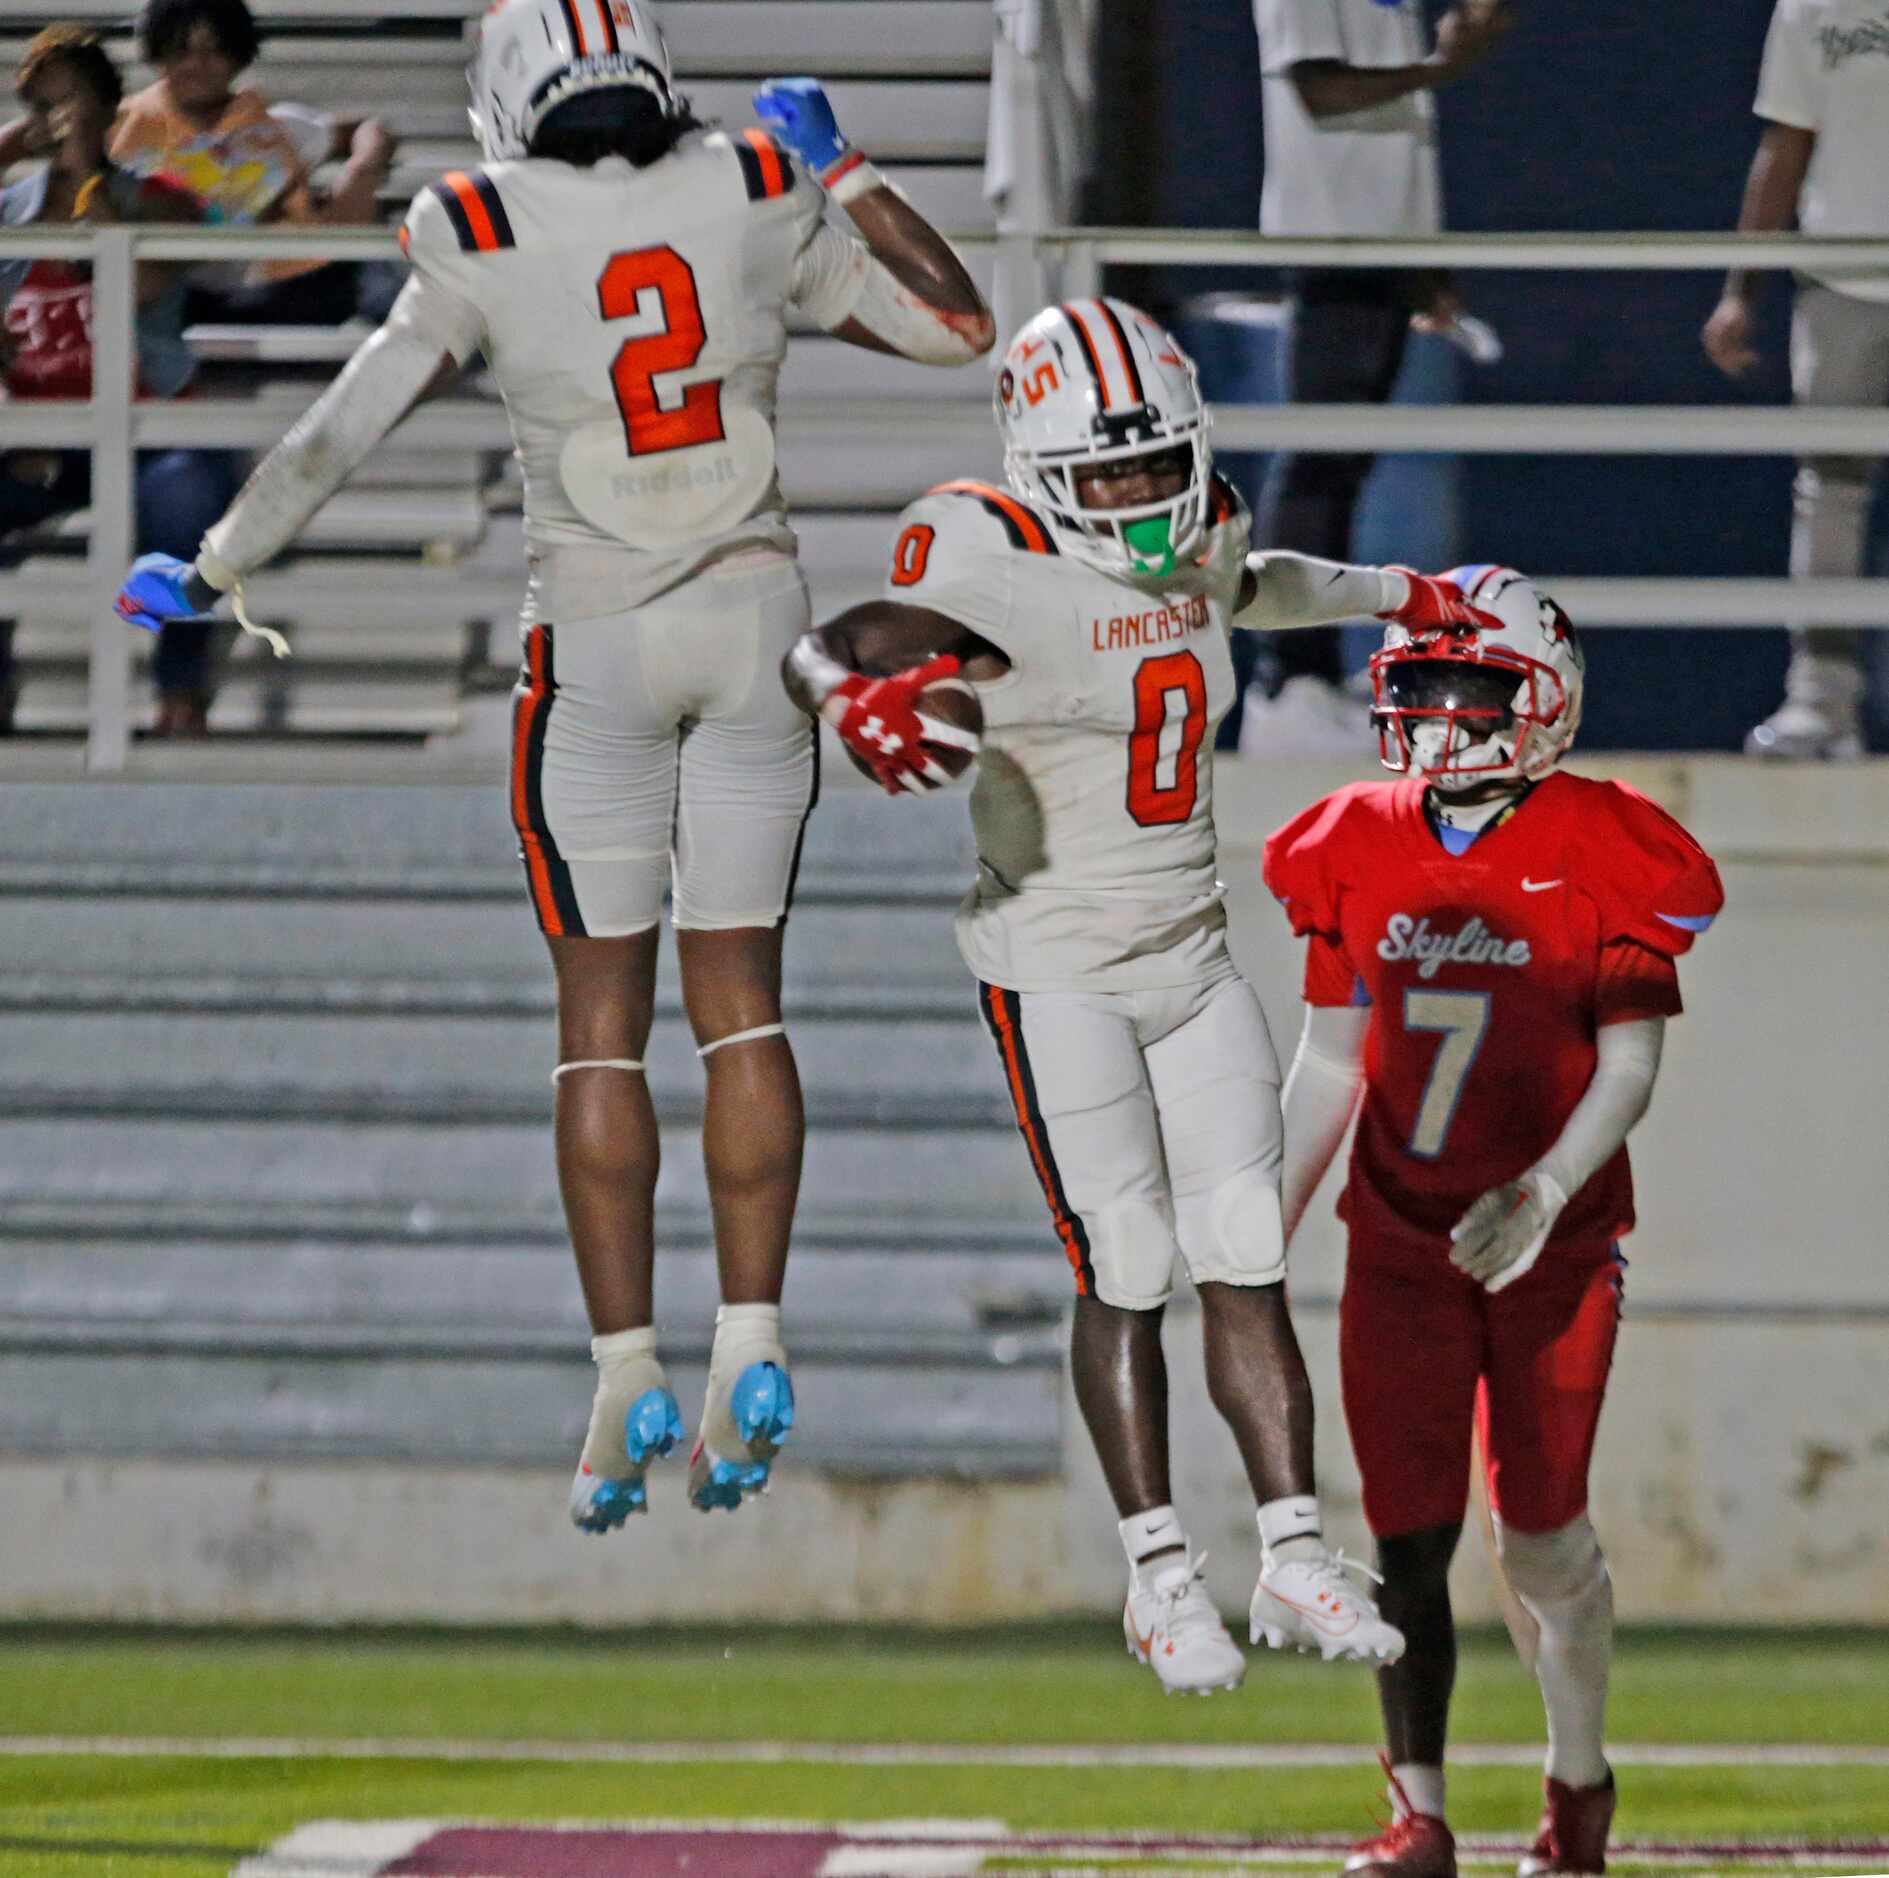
point(1490, 964)
point(71, 89)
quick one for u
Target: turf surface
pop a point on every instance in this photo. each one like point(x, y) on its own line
point(189, 1817)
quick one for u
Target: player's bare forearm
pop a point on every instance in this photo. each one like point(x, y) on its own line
point(876, 638)
point(923, 262)
point(1772, 188)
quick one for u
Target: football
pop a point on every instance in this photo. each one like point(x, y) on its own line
point(951, 701)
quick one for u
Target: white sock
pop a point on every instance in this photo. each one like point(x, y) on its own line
point(1145, 1534)
point(1291, 1529)
point(1561, 1579)
point(1424, 1787)
point(627, 1367)
point(744, 1334)
point(621, 1345)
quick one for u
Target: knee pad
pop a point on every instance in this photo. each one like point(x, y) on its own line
point(1131, 1252)
point(1552, 1567)
point(1233, 1234)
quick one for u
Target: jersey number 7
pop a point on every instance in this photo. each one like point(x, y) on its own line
point(647, 428)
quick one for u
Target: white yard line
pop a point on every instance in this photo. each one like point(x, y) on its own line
point(1233, 1756)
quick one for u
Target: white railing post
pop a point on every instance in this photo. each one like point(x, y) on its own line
point(114, 373)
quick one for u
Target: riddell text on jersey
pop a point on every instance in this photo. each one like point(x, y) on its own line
point(1152, 628)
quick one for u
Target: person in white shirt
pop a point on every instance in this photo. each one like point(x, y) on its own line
point(1350, 135)
point(1823, 93)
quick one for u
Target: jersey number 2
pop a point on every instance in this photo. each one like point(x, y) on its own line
point(1164, 746)
point(647, 427)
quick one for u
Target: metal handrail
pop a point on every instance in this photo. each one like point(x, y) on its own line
point(113, 426)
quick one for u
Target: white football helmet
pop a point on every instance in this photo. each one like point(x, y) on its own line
point(1097, 381)
point(1462, 706)
point(535, 54)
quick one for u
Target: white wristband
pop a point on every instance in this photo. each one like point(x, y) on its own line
point(854, 179)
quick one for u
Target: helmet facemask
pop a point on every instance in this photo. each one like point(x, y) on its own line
point(1463, 715)
point(1150, 539)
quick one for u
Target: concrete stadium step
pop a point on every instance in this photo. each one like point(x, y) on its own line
point(962, 1178)
point(451, 1409)
point(968, 1302)
point(335, 704)
point(475, 1067)
point(970, 1306)
point(132, 952)
point(416, 841)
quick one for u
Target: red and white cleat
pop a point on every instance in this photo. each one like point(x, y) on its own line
point(1414, 1845)
point(1573, 1833)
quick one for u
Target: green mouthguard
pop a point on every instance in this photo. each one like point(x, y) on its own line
point(1150, 545)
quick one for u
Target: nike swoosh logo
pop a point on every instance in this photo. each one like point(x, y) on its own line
point(1537, 886)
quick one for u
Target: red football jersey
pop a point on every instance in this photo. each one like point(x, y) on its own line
point(1488, 974)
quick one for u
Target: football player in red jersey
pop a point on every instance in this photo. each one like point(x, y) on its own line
point(1490, 966)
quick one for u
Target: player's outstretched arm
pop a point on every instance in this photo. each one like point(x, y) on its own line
point(907, 292)
point(404, 361)
point(1502, 1235)
point(1283, 590)
point(863, 673)
point(1322, 1089)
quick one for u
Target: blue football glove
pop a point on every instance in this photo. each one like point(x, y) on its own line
point(158, 589)
point(796, 110)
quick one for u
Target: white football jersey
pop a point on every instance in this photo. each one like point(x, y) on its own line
point(1093, 806)
point(635, 320)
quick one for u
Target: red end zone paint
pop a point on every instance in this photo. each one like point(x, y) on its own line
point(522, 1852)
point(936, 1848)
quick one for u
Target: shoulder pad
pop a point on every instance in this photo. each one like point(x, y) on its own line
point(1020, 526)
point(462, 213)
point(1224, 502)
point(1652, 881)
point(767, 171)
point(1305, 861)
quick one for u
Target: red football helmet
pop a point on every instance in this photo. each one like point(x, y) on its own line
point(1462, 706)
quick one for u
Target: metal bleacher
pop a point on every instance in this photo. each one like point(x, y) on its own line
point(401, 595)
point(276, 1182)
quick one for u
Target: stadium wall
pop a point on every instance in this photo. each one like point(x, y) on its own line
point(1744, 1462)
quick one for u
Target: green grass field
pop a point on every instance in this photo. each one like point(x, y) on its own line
point(418, 1720)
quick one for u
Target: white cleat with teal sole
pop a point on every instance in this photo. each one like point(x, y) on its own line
point(740, 1437)
point(609, 1485)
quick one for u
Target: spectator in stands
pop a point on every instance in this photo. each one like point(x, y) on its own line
point(1350, 136)
point(71, 89)
point(1822, 159)
point(244, 162)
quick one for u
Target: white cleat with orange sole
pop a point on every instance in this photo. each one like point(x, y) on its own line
point(1170, 1623)
point(1313, 1604)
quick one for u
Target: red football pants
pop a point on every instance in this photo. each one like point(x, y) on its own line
point(1421, 1356)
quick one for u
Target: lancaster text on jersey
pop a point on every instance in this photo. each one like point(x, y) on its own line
point(1155, 627)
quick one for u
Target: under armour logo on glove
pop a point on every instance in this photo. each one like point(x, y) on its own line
point(1435, 605)
point(879, 721)
point(873, 731)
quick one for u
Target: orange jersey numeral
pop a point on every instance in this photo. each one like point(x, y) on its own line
point(911, 554)
point(1164, 786)
point(647, 428)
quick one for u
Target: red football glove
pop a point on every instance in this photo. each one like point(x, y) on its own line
point(881, 724)
point(1436, 605)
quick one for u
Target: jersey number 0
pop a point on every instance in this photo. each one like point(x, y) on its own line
point(1164, 747)
point(647, 427)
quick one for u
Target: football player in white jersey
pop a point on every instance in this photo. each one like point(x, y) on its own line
point(627, 272)
point(1089, 605)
